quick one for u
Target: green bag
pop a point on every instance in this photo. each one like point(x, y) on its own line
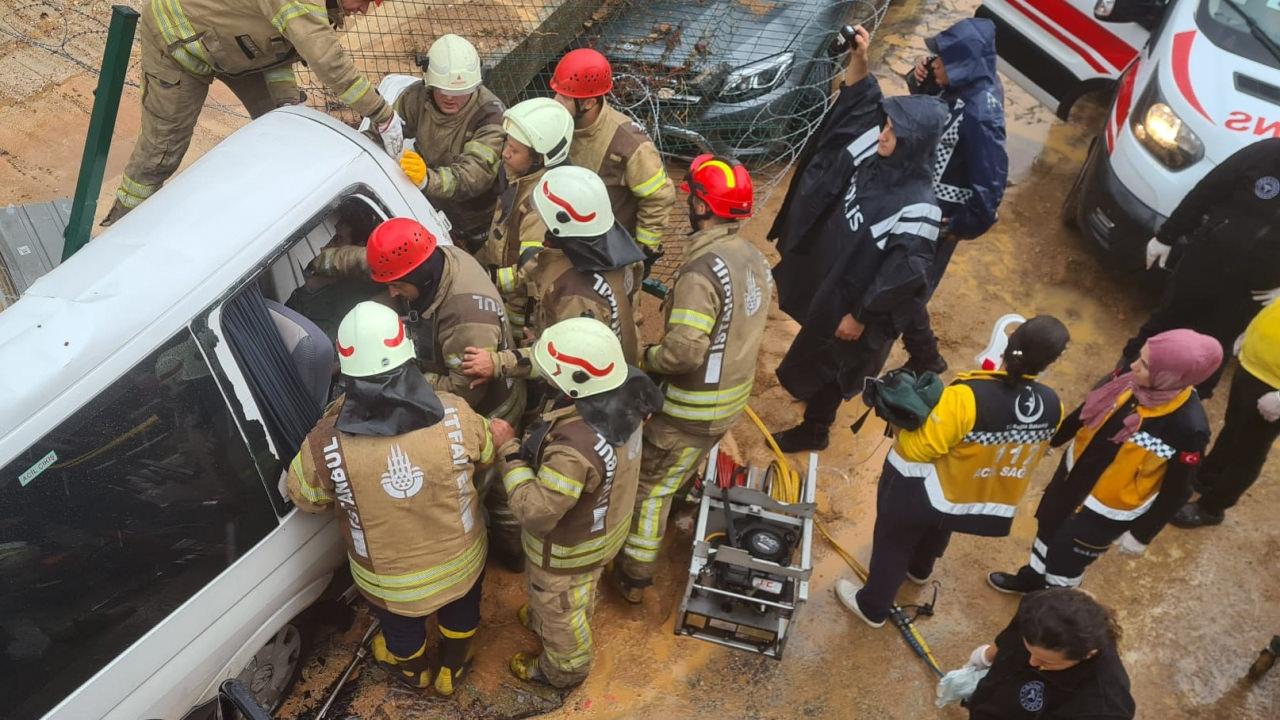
point(901, 398)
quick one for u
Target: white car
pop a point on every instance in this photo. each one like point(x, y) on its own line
point(146, 412)
point(1194, 81)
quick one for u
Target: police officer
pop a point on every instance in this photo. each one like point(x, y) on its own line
point(457, 125)
point(714, 323)
point(615, 147)
point(965, 469)
point(572, 484)
point(251, 45)
point(539, 133)
point(581, 272)
point(397, 463)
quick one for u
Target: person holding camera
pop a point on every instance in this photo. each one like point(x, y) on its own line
point(856, 233)
point(971, 166)
point(964, 469)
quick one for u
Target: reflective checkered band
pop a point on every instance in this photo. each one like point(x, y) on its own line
point(1009, 437)
point(941, 158)
point(1153, 445)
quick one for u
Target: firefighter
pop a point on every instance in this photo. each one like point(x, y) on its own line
point(971, 167)
point(457, 125)
point(581, 272)
point(615, 147)
point(1136, 445)
point(964, 470)
point(572, 483)
point(397, 462)
point(856, 233)
point(450, 305)
point(251, 45)
point(714, 323)
point(539, 133)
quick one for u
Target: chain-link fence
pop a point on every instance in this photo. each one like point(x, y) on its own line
point(749, 78)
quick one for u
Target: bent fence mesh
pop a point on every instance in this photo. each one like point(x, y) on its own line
point(751, 78)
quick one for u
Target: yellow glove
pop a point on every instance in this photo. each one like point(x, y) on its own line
point(415, 168)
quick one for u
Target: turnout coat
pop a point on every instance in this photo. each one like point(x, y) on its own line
point(857, 232)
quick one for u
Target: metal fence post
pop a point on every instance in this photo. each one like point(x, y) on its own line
point(106, 102)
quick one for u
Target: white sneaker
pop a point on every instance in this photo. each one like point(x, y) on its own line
point(918, 580)
point(847, 591)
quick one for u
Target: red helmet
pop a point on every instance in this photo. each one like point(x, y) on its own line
point(396, 247)
point(724, 185)
point(582, 73)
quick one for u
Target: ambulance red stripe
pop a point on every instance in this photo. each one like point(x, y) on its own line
point(1062, 37)
point(1181, 67)
point(1090, 31)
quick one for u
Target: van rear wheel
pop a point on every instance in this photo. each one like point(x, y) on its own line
point(275, 667)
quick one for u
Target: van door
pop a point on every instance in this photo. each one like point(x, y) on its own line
point(1059, 50)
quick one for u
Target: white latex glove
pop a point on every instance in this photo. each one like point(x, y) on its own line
point(392, 134)
point(1266, 297)
point(1235, 349)
point(1129, 545)
point(1157, 252)
point(1269, 406)
point(978, 658)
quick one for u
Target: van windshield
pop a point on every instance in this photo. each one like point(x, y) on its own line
point(1227, 27)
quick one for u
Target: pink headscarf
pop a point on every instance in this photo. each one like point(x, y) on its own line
point(1177, 360)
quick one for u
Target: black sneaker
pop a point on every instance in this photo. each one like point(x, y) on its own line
point(1193, 515)
point(803, 437)
point(934, 364)
point(1011, 583)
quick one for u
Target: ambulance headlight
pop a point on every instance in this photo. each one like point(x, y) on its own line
point(1159, 129)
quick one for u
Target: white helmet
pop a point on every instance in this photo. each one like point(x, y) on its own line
point(573, 202)
point(372, 340)
point(581, 356)
point(453, 65)
point(543, 125)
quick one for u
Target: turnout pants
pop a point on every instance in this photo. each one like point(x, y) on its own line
point(1240, 451)
point(560, 609)
point(406, 635)
point(908, 537)
point(172, 99)
point(669, 458)
point(917, 336)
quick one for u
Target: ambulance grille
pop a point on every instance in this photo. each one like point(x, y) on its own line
point(1257, 88)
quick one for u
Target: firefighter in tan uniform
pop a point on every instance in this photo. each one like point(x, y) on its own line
point(457, 126)
point(397, 463)
point(615, 147)
point(715, 320)
point(450, 305)
point(572, 483)
point(251, 45)
point(539, 132)
point(583, 271)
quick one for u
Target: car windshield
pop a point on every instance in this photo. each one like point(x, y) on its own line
point(1228, 28)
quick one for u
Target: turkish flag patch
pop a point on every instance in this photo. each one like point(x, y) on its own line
point(1189, 458)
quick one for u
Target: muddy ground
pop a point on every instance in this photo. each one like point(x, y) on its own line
point(1195, 610)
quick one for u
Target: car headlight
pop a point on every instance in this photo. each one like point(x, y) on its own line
point(1159, 129)
point(758, 78)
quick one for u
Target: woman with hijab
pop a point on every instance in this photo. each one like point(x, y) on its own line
point(1135, 445)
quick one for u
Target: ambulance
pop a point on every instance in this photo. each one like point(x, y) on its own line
point(1192, 82)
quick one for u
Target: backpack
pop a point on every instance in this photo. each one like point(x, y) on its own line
point(901, 398)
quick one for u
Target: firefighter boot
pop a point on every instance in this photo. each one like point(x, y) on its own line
point(631, 590)
point(455, 659)
point(805, 436)
point(526, 667)
point(413, 671)
point(523, 615)
point(117, 211)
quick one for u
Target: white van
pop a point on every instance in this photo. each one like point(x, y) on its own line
point(1194, 81)
point(147, 411)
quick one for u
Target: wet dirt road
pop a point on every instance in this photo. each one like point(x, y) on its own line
point(1195, 610)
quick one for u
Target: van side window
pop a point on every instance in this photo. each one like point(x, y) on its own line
point(114, 519)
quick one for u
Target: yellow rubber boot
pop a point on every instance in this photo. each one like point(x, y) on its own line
point(455, 659)
point(414, 671)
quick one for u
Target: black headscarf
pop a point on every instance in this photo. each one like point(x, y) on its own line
point(390, 403)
